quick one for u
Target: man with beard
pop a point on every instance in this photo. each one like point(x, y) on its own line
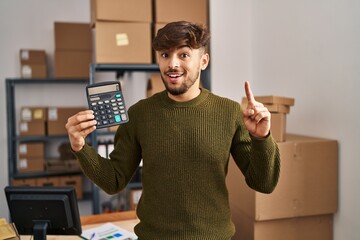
point(185, 136)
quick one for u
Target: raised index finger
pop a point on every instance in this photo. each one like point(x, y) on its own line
point(249, 94)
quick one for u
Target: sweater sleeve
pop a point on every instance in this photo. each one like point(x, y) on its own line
point(258, 159)
point(113, 174)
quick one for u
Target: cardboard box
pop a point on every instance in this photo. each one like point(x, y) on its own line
point(73, 36)
point(29, 150)
point(33, 113)
point(57, 119)
point(33, 70)
point(32, 56)
point(155, 85)
point(32, 128)
point(172, 10)
point(272, 107)
point(275, 100)
point(120, 42)
point(308, 183)
point(34, 164)
point(72, 64)
point(48, 182)
point(24, 182)
point(121, 10)
point(278, 126)
point(319, 227)
point(73, 180)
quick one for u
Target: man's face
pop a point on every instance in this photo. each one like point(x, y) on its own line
point(180, 68)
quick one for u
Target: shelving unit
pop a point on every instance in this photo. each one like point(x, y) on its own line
point(120, 69)
point(14, 139)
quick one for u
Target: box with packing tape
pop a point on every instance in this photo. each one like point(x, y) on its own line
point(279, 107)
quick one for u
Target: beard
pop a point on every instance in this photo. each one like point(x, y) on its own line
point(184, 87)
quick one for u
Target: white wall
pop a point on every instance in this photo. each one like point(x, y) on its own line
point(308, 50)
point(304, 49)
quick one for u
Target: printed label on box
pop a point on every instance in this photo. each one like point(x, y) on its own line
point(23, 163)
point(53, 114)
point(26, 114)
point(122, 39)
point(25, 55)
point(26, 71)
point(23, 148)
point(24, 127)
point(38, 114)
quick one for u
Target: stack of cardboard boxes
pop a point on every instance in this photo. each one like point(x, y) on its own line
point(305, 199)
point(33, 63)
point(45, 121)
point(122, 31)
point(73, 50)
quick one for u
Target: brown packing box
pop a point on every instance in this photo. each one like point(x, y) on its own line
point(48, 182)
point(308, 183)
point(72, 180)
point(34, 164)
point(29, 150)
point(31, 56)
point(173, 10)
point(122, 42)
point(72, 64)
point(278, 126)
point(318, 227)
point(25, 182)
point(73, 36)
point(154, 85)
point(33, 113)
point(121, 10)
point(33, 70)
point(275, 100)
point(57, 118)
point(32, 128)
point(272, 107)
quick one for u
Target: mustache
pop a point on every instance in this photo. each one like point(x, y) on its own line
point(172, 70)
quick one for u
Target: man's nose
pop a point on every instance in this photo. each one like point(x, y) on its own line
point(174, 62)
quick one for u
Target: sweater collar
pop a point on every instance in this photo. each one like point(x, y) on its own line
point(192, 103)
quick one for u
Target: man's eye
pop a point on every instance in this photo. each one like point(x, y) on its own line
point(184, 55)
point(164, 55)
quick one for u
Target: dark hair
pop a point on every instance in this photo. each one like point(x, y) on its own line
point(175, 34)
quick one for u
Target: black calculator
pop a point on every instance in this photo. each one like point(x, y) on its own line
point(107, 102)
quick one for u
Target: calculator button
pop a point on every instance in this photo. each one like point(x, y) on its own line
point(94, 108)
point(118, 95)
point(117, 118)
point(123, 117)
point(106, 101)
point(112, 100)
point(105, 122)
point(101, 102)
point(116, 112)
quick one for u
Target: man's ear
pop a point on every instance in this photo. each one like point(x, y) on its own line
point(205, 58)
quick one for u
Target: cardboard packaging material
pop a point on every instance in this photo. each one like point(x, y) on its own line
point(29, 150)
point(123, 42)
point(57, 119)
point(33, 113)
point(48, 182)
point(319, 227)
point(32, 56)
point(75, 181)
point(197, 13)
point(154, 85)
point(308, 183)
point(72, 63)
point(24, 182)
point(121, 10)
point(73, 36)
point(34, 164)
point(32, 128)
point(33, 71)
point(278, 126)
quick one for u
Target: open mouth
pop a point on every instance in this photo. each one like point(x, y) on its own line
point(174, 76)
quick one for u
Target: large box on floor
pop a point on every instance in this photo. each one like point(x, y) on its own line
point(123, 42)
point(172, 10)
point(121, 10)
point(318, 227)
point(308, 183)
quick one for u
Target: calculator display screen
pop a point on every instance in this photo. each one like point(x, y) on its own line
point(103, 89)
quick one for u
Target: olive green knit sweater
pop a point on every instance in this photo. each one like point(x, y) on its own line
point(185, 147)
